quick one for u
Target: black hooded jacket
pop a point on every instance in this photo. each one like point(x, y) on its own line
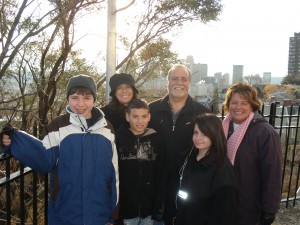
point(140, 166)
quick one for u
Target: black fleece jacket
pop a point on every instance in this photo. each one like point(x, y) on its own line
point(140, 166)
point(212, 193)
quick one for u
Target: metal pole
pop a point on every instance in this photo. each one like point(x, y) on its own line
point(111, 44)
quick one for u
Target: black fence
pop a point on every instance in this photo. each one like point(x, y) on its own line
point(24, 193)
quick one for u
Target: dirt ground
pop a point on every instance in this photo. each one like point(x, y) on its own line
point(288, 216)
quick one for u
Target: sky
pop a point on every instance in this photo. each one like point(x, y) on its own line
point(253, 33)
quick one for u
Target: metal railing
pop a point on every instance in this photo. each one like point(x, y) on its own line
point(24, 193)
point(286, 120)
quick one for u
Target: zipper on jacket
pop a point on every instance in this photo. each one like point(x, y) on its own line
point(141, 174)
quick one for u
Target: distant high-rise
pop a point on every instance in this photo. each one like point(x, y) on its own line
point(219, 80)
point(198, 71)
point(190, 59)
point(226, 78)
point(266, 78)
point(237, 73)
point(294, 55)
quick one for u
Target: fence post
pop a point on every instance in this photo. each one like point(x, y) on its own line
point(8, 200)
point(272, 114)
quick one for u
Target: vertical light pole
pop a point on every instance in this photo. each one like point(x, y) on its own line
point(111, 44)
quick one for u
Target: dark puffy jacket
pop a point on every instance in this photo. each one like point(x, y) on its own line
point(178, 139)
point(258, 169)
point(115, 116)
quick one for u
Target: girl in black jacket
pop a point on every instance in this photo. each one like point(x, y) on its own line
point(207, 194)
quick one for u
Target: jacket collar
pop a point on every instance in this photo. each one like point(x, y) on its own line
point(97, 117)
point(164, 104)
point(124, 130)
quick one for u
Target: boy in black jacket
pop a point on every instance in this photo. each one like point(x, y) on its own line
point(140, 163)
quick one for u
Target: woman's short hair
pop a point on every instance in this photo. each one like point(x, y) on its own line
point(245, 90)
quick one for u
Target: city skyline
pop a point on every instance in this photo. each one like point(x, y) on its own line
point(237, 73)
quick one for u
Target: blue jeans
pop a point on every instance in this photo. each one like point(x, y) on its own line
point(142, 221)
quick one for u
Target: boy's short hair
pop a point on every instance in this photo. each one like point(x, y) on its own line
point(137, 104)
point(81, 91)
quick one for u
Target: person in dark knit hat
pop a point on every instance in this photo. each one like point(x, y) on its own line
point(78, 150)
point(121, 78)
point(123, 90)
point(82, 81)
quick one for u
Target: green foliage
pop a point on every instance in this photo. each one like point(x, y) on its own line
point(156, 18)
point(152, 60)
point(214, 104)
point(291, 79)
point(204, 11)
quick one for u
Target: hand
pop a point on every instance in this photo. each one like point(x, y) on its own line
point(5, 140)
point(267, 218)
point(6, 134)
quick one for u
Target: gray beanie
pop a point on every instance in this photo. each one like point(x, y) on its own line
point(82, 81)
point(121, 78)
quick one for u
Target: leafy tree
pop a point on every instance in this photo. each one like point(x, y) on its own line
point(151, 61)
point(36, 47)
point(214, 104)
point(291, 79)
point(269, 89)
point(36, 52)
point(253, 79)
point(158, 17)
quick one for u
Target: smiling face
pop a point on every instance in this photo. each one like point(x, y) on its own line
point(124, 94)
point(82, 104)
point(239, 108)
point(201, 141)
point(138, 120)
point(179, 83)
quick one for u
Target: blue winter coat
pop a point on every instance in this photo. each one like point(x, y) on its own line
point(83, 166)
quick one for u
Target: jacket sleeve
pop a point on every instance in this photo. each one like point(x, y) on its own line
point(31, 152)
point(224, 208)
point(270, 160)
point(160, 183)
point(115, 175)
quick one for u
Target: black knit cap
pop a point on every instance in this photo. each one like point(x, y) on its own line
point(121, 78)
point(82, 81)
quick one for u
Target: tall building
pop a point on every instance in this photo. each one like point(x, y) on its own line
point(294, 55)
point(226, 79)
point(219, 80)
point(266, 78)
point(237, 73)
point(190, 59)
point(198, 71)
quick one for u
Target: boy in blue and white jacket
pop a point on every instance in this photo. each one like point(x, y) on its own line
point(78, 149)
